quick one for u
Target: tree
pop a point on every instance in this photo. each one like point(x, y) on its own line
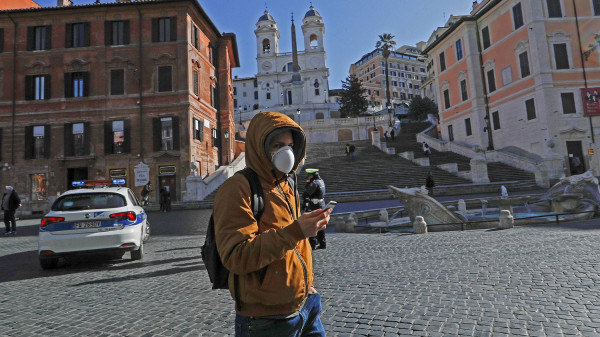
point(385, 43)
point(352, 100)
point(420, 107)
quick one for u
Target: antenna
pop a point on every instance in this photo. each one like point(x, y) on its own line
point(444, 14)
point(266, 7)
point(292, 17)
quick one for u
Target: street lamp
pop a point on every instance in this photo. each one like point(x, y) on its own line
point(298, 112)
point(488, 128)
point(227, 144)
point(389, 109)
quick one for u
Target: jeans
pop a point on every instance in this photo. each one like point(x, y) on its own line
point(306, 324)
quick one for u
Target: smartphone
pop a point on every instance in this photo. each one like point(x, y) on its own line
point(330, 204)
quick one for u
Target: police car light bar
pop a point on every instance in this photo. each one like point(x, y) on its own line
point(86, 183)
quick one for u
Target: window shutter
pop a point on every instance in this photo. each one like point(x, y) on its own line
point(30, 38)
point(48, 37)
point(68, 85)
point(68, 35)
point(156, 133)
point(86, 34)
point(108, 137)
point(28, 142)
point(86, 84)
point(173, 28)
point(175, 133)
point(107, 33)
point(87, 135)
point(28, 87)
point(68, 139)
point(1, 40)
point(0, 144)
point(155, 30)
point(126, 32)
point(47, 141)
point(127, 140)
point(47, 86)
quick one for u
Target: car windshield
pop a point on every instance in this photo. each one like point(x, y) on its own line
point(76, 202)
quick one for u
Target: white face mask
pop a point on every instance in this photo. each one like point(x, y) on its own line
point(283, 159)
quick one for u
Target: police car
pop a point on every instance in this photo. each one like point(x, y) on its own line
point(98, 217)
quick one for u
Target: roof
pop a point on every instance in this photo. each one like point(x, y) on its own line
point(311, 12)
point(17, 4)
point(266, 17)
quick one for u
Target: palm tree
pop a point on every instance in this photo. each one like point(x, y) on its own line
point(385, 43)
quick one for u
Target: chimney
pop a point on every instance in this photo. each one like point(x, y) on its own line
point(64, 3)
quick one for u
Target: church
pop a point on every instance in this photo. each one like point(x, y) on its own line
point(294, 83)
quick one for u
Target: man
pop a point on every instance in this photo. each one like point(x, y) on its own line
point(10, 203)
point(272, 258)
point(313, 198)
point(146, 193)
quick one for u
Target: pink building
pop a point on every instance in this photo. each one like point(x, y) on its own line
point(509, 77)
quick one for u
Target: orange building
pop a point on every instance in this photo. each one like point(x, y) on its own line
point(139, 90)
point(509, 76)
point(17, 4)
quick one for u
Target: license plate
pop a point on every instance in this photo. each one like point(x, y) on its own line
point(88, 224)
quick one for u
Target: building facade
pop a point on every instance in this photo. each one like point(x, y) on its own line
point(510, 75)
point(134, 90)
point(274, 87)
point(407, 71)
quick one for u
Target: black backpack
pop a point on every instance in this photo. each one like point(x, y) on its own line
point(217, 272)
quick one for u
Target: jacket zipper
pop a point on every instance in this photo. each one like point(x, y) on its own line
point(305, 271)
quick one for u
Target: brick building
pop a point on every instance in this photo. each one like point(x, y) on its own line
point(94, 91)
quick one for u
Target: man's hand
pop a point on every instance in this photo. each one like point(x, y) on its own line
point(312, 222)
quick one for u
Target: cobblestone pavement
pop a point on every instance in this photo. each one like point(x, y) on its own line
point(527, 281)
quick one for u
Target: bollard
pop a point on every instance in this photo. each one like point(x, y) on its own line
point(350, 223)
point(506, 220)
point(420, 226)
point(462, 206)
point(384, 216)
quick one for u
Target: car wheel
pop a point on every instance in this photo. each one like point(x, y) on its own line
point(147, 231)
point(138, 254)
point(48, 263)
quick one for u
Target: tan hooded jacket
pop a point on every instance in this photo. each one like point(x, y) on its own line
point(272, 258)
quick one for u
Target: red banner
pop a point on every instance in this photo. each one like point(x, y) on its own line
point(591, 101)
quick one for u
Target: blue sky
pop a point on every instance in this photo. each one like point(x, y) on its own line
point(351, 26)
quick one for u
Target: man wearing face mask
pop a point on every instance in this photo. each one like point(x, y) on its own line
point(272, 258)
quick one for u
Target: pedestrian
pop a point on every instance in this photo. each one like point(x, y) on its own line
point(386, 134)
point(162, 199)
point(167, 198)
point(352, 152)
point(429, 183)
point(347, 149)
point(313, 198)
point(426, 149)
point(146, 193)
point(271, 260)
point(10, 203)
point(393, 133)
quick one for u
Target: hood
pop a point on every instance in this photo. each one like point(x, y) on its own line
point(261, 128)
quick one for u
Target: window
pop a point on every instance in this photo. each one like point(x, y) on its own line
point(530, 108)
point(166, 133)
point(442, 61)
point(517, 15)
point(459, 51)
point(468, 127)
point(485, 36)
point(77, 84)
point(596, 4)
point(446, 99)
point(463, 90)
point(116, 137)
point(77, 140)
point(198, 130)
point(491, 81)
point(165, 79)
point(255, 83)
point(496, 120)
point(268, 96)
point(117, 81)
point(37, 87)
point(256, 95)
point(39, 38)
point(195, 82)
point(568, 102)
point(164, 29)
point(524, 63)
point(317, 92)
point(38, 187)
point(234, 92)
point(213, 133)
point(37, 142)
point(560, 56)
point(554, 10)
point(116, 33)
point(450, 133)
point(77, 35)
point(195, 36)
